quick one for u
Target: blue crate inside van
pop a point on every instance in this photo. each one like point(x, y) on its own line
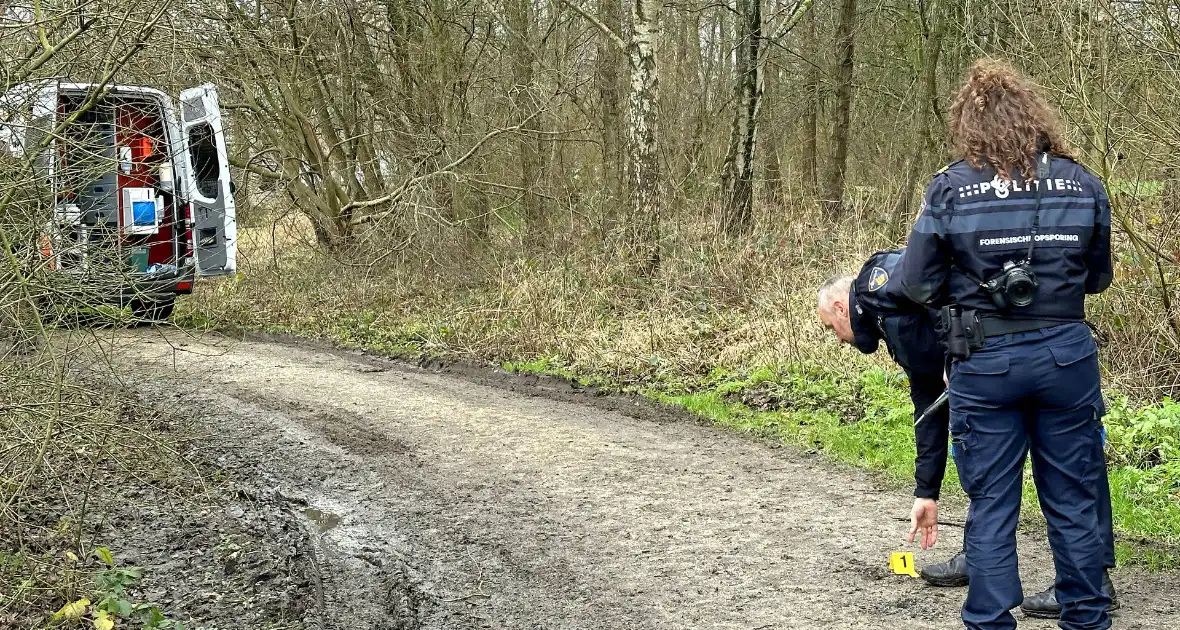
point(143, 213)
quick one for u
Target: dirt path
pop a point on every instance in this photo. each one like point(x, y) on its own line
point(440, 502)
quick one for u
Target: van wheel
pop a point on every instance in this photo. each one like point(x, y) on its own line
point(153, 312)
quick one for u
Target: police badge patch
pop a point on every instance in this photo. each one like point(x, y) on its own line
point(877, 278)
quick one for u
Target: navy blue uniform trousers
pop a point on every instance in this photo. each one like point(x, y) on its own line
point(1035, 392)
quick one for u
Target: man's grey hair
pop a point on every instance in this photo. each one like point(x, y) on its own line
point(836, 286)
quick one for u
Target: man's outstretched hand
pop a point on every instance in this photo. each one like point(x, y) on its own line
point(924, 520)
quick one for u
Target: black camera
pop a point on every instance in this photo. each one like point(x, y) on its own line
point(1016, 285)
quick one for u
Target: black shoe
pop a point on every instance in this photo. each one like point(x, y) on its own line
point(953, 572)
point(1044, 605)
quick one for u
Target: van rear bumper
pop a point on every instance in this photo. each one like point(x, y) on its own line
point(92, 289)
point(163, 287)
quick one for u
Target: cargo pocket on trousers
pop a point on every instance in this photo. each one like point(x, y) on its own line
point(973, 375)
point(963, 453)
point(1098, 411)
point(984, 365)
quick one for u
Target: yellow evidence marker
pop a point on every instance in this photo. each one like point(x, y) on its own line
point(902, 563)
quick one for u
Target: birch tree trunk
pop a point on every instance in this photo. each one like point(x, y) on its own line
point(643, 134)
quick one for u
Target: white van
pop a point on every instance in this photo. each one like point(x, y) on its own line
point(142, 201)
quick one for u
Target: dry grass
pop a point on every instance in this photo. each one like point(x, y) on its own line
point(730, 305)
point(716, 303)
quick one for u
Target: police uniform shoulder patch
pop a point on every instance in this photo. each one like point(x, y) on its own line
point(877, 278)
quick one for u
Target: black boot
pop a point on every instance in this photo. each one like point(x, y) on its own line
point(1044, 605)
point(953, 572)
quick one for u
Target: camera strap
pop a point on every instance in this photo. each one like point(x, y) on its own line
point(1043, 173)
point(1044, 170)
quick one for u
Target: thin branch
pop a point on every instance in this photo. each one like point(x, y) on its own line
point(611, 35)
point(52, 50)
point(401, 190)
point(789, 24)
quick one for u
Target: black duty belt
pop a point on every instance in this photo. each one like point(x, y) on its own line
point(995, 326)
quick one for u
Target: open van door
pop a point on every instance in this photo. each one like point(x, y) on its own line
point(31, 114)
point(28, 117)
point(14, 117)
point(215, 231)
point(40, 136)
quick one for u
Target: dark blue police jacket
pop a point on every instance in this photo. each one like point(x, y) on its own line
point(971, 222)
point(880, 310)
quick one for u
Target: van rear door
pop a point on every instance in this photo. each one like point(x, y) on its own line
point(40, 133)
point(214, 217)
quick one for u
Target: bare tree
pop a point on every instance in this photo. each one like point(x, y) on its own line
point(737, 179)
point(929, 106)
point(643, 133)
point(842, 125)
point(348, 154)
point(609, 66)
point(811, 99)
point(520, 24)
point(644, 171)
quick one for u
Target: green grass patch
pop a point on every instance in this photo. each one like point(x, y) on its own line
point(1145, 554)
point(541, 365)
point(865, 422)
point(1146, 504)
point(553, 366)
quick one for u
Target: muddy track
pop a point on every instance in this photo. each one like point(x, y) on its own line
point(477, 500)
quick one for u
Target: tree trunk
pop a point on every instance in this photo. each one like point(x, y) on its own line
point(704, 62)
point(930, 51)
point(520, 23)
point(811, 113)
point(610, 93)
point(643, 135)
point(323, 235)
point(737, 178)
point(841, 128)
point(770, 133)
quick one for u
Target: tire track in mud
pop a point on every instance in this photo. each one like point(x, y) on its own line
point(405, 603)
point(459, 505)
point(362, 578)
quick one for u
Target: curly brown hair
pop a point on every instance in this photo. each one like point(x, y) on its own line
point(998, 119)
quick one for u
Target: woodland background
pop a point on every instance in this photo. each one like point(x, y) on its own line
point(641, 195)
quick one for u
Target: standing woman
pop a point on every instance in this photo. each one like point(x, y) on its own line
point(1009, 241)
